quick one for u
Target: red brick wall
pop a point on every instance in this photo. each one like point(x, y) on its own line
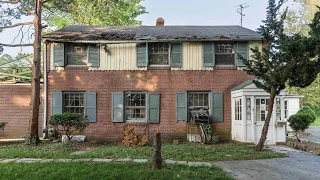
point(14, 109)
point(165, 81)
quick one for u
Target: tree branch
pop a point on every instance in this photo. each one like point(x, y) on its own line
point(15, 25)
point(16, 45)
point(11, 2)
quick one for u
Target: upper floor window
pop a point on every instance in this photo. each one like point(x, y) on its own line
point(77, 54)
point(224, 54)
point(158, 53)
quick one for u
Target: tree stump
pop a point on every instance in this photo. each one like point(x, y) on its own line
point(157, 159)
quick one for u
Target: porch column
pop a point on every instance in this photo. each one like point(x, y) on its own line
point(253, 119)
point(243, 117)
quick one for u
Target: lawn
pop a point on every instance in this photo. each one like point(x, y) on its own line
point(316, 122)
point(90, 170)
point(186, 152)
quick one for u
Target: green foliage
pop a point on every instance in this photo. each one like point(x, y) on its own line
point(300, 122)
point(20, 64)
point(208, 129)
point(316, 110)
point(69, 122)
point(2, 125)
point(98, 12)
point(308, 110)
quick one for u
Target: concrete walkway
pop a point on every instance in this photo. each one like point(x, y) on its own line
point(167, 161)
point(298, 165)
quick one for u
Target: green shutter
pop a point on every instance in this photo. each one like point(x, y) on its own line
point(217, 107)
point(93, 55)
point(117, 107)
point(243, 50)
point(56, 103)
point(153, 107)
point(208, 54)
point(142, 54)
point(182, 106)
point(58, 54)
point(91, 106)
point(176, 55)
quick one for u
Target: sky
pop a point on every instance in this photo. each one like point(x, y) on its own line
point(183, 12)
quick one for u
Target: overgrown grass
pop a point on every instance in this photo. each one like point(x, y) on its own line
point(187, 152)
point(90, 170)
point(316, 122)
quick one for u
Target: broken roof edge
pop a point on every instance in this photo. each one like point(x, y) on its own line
point(50, 39)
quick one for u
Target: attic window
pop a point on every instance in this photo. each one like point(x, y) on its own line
point(158, 53)
point(77, 54)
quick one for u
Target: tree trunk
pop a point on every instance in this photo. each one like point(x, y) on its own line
point(264, 132)
point(157, 159)
point(35, 97)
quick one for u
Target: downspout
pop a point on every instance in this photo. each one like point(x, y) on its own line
point(45, 97)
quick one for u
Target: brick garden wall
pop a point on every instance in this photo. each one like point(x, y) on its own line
point(164, 81)
point(14, 109)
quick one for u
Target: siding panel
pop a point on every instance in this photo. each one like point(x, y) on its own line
point(119, 57)
point(192, 57)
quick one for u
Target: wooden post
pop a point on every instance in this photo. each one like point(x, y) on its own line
point(157, 158)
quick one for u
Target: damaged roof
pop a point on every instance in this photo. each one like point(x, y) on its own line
point(136, 33)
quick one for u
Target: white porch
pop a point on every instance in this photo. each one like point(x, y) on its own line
point(249, 110)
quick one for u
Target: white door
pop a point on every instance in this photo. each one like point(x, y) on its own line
point(261, 111)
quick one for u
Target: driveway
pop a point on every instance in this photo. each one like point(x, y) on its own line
point(298, 165)
point(315, 134)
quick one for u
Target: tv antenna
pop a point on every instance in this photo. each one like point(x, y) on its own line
point(240, 10)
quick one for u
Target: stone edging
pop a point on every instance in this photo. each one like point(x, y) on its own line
point(167, 161)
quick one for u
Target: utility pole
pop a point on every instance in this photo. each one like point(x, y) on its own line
point(240, 10)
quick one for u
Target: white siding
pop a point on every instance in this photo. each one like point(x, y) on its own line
point(192, 57)
point(118, 57)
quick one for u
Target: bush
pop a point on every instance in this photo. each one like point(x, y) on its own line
point(69, 122)
point(316, 110)
point(308, 110)
point(299, 122)
point(2, 125)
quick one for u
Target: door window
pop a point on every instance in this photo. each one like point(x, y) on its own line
point(261, 109)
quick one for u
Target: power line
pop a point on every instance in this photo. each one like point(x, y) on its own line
point(240, 10)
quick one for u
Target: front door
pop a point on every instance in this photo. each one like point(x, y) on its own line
point(261, 111)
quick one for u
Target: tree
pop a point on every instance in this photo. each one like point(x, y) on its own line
point(299, 122)
point(98, 12)
point(297, 22)
point(69, 123)
point(285, 60)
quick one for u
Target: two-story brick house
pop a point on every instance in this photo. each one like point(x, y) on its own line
point(148, 76)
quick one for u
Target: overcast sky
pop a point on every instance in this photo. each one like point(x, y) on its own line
point(184, 12)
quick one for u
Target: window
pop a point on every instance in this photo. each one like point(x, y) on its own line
point(278, 109)
point(135, 106)
point(248, 109)
point(286, 109)
point(158, 53)
point(77, 54)
point(261, 109)
point(224, 54)
point(238, 109)
point(198, 102)
point(74, 102)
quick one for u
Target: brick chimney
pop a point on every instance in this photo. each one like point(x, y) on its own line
point(160, 22)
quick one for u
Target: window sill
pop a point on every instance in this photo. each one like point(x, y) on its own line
point(136, 121)
point(158, 67)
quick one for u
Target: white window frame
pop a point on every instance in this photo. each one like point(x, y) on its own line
point(248, 109)
point(169, 56)
point(238, 109)
point(133, 107)
point(73, 92)
point(234, 54)
point(286, 109)
point(66, 46)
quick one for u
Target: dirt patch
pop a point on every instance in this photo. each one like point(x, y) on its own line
point(307, 146)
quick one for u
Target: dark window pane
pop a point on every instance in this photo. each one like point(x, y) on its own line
point(224, 59)
point(77, 54)
point(158, 53)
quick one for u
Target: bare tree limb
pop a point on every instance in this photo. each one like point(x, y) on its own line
point(15, 25)
point(15, 45)
point(11, 2)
